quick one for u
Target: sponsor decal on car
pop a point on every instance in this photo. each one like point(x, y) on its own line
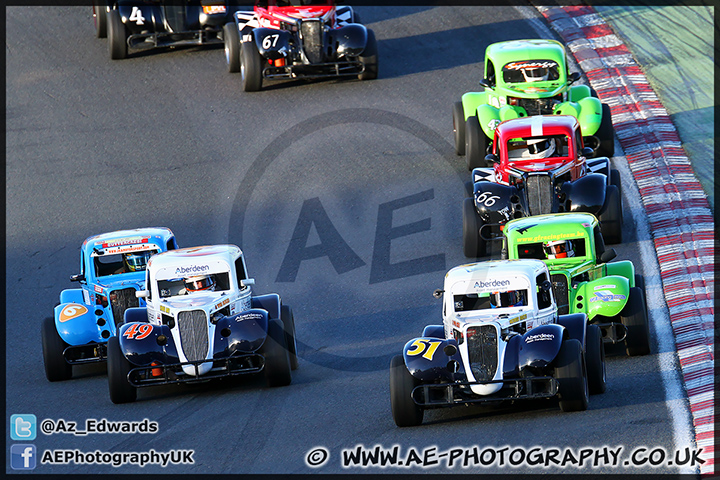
point(530, 64)
point(598, 287)
point(540, 337)
point(491, 284)
point(552, 236)
point(607, 296)
point(248, 316)
point(223, 303)
point(193, 269)
point(98, 288)
point(164, 309)
point(125, 241)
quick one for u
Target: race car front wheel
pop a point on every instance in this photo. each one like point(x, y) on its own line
point(611, 216)
point(251, 64)
point(117, 36)
point(56, 368)
point(606, 148)
point(474, 245)
point(571, 374)
point(634, 318)
point(369, 58)
point(476, 143)
point(288, 320)
point(405, 411)
point(458, 115)
point(231, 38)
point(595, 358)
point(118, 368)
point(100, 19)
point(277, 359)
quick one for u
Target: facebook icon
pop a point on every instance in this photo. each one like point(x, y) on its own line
point(22, 457)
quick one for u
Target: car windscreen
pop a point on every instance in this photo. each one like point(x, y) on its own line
point(529, 71)
point(117, 263)
point(215, 282)
point(481, 301)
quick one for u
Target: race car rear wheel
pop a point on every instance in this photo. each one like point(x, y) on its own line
point(100, 19)
point(611, 216)
point(288, 320)
point(458, 115)
point(369, 58)
point(615, 179)
point(634, 318)
point(474, 245)
point(251, 67)
point(231, 37)
point(277, 359)
point(118, 368)
point(117, 36)
point(571, 373)
point(56, 368)
point(595, 359)
point(405, 411)
point(476, 144)
point(606, 148)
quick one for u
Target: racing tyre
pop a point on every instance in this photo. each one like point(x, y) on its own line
point(469, 188)
point(474, 245)
point(118, 368)
point(634, 317)
point(606, 148)
point(615, 179)
point(277, 358)
point(405, 411)
point(611, 216)
point(595, 360)
point(251, 67)
point(100, 19)
point(117, 36)
point(56, 368)
point(232, 47)
point(458, 115)
point(476, 144)
point(288, 320)
point(570, 372)
point(369, 58)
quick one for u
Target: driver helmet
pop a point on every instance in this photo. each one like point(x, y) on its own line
point(537, 74)
point(559, 249)
point(200, 283)
point(136, 262)
point(535, 148)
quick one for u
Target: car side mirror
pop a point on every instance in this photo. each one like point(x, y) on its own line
point(77, 278)
point(485, 83)
point(438, 293)
point(587, 151)
point(608, 255)
point(546, 286)
point(492, 158)
point(247, 282)
point(141, 293)
point(573, 77)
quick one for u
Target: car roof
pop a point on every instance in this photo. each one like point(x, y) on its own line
point(554, 226)
point(537, 126)
point(191, 255)
point(529, 49)
point(495, 268)
point(155, 235)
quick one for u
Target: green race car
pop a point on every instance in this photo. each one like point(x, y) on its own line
point(526, 78)
point(584, 279)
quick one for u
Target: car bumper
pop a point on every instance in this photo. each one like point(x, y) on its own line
point(438, 395)
point(316, 70)
point(162, 374)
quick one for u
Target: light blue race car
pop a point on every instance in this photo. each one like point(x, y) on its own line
point(112, 269)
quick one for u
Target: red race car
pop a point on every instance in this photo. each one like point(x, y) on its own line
point(299, 39)
point(539, 166)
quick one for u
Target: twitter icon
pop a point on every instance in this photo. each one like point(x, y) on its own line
point(23, 427)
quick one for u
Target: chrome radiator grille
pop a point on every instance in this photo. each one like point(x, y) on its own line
point(560, 291)
point(193, 334)
point(121, 300)
point(312, 40)
point(483, 352)
point(537, 106)
point(540, 194)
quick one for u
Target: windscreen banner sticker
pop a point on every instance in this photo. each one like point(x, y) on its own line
point(553, 236)
point(125, 241)
point(530, 65)
point(71, 311)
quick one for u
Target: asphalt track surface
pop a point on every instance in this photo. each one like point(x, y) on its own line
point(167, 138)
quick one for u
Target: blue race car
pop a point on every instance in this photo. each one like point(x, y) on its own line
point(112, 269)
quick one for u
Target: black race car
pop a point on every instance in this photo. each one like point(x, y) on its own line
point(149, 24)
